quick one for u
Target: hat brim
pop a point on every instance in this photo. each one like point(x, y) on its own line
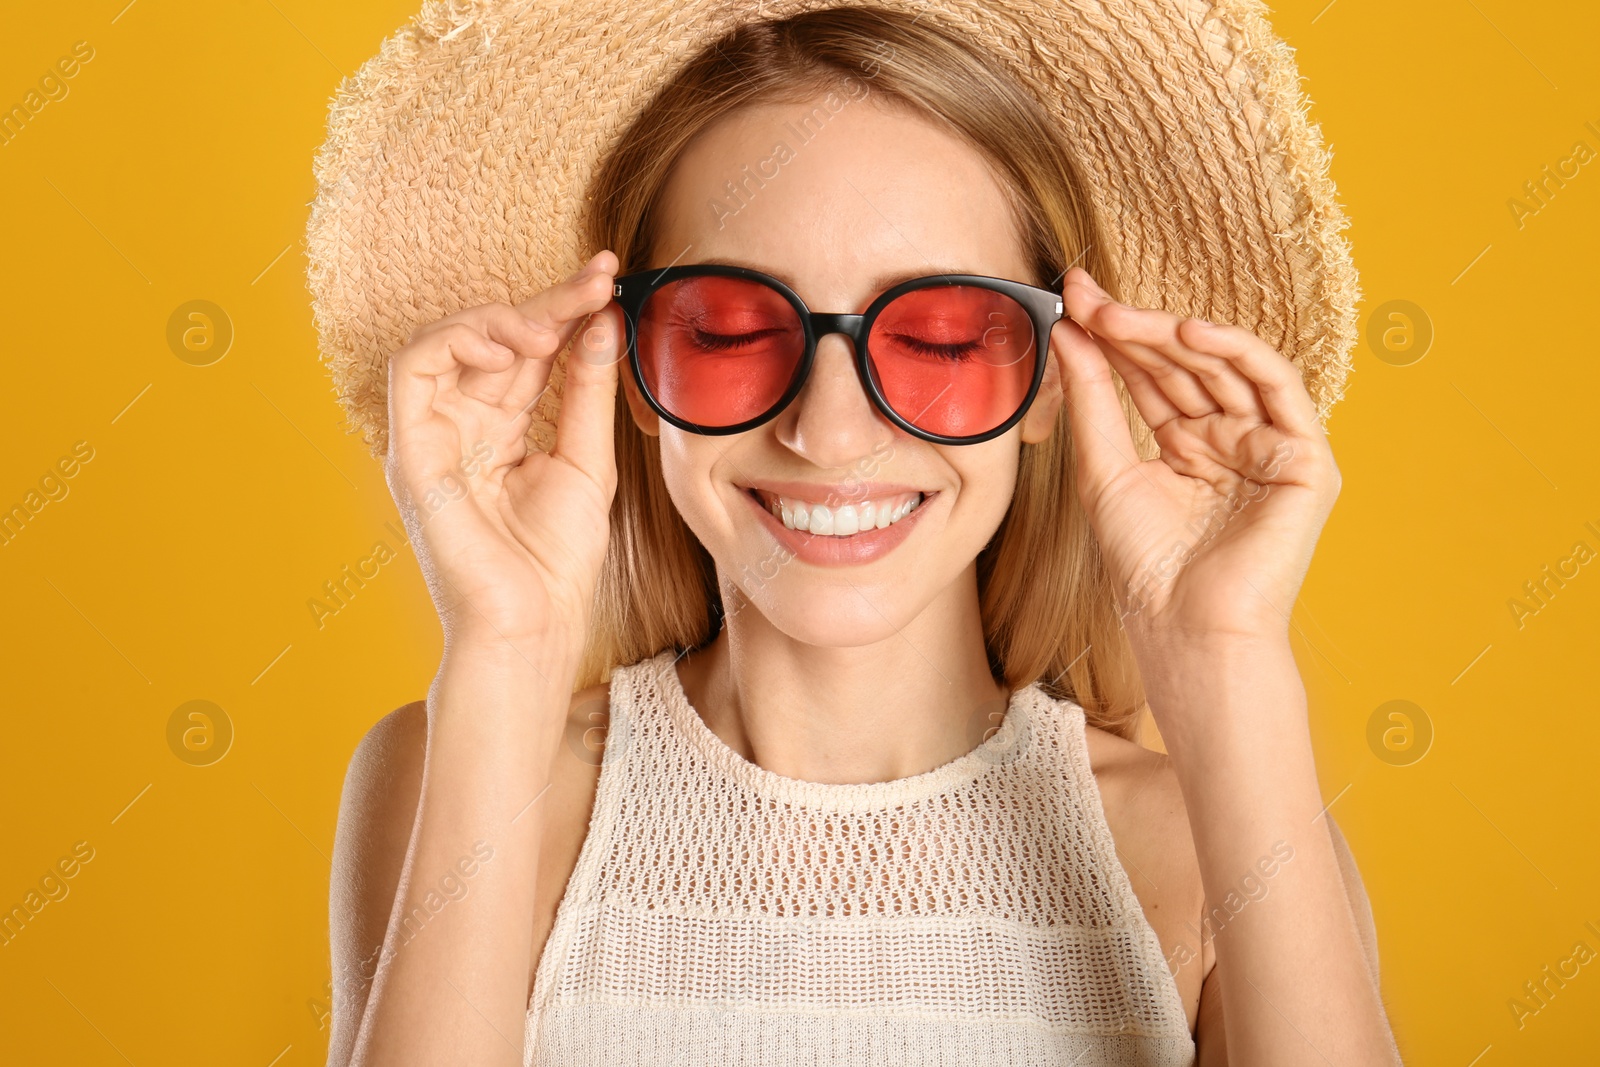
point(456, 160)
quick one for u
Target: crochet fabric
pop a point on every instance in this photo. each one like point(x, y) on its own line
point(721, 914)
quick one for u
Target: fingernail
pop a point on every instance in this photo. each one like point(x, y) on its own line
point(1094, 285)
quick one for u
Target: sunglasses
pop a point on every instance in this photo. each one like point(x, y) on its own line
point(950, 358)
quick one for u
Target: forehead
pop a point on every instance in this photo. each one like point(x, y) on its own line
point(834, 192)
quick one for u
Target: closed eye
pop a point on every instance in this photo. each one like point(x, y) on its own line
point(960, 351)
point(718, 342)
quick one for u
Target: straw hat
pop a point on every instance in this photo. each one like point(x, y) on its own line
point(458, 158)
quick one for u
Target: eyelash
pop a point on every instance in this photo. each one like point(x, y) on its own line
point(717, 342)
point(720, 342)
point(954, 352)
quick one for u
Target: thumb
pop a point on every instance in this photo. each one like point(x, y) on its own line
point(589, 397)
point(1100, 433)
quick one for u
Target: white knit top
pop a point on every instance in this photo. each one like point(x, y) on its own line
point(722, 914)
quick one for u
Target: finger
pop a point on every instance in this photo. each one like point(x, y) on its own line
point(509, 443)
point(500, 322)
point(1274, 379)
point(538, 328)
point(424, 367)
point(560, 310)
point(1100, 433)
point(1224, 386)
point(570, 305)
point(1235, 392)
point(533, 378)
point(1164, 335)
point(544, 323)
point(589, 399)
point(560, 307)
point(1120, 325)
point(1155, 407)
point(534, 344)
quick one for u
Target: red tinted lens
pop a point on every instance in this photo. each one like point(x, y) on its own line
point(955, 360)
point(717, 351)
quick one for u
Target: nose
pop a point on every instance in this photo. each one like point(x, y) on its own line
point(833, 422)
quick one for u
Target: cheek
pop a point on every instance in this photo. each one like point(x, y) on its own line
point(689, 467)
point(987, 476)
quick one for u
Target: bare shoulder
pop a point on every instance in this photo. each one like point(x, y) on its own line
point(1149, 825)
point(379, 803)
point(1142, 799)
point(377, 810)
point(574, 779)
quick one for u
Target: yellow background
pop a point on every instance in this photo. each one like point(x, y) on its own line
point(220, 498)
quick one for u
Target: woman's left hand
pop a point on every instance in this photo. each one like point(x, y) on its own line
point(1214, 537)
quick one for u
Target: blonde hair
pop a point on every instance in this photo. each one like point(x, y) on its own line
point(1047, 605)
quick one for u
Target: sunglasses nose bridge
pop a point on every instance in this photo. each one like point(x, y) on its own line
point(824, 324)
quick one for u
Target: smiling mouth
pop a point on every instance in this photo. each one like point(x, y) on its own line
point(844, 520)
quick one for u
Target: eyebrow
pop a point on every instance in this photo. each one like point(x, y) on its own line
point(879, 284)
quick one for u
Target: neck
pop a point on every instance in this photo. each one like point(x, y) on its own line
point(903, 705)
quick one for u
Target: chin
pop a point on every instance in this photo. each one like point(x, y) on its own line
point(828, 613)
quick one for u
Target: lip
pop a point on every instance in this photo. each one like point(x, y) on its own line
point(827, 550)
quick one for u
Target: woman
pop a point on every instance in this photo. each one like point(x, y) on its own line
point(788, 710)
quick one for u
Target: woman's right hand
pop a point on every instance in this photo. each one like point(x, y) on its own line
point(510, 540)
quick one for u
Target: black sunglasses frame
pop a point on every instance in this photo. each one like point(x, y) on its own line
point(1043, 307)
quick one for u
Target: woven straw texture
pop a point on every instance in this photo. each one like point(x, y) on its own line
point(458, 158)
point(720, 913)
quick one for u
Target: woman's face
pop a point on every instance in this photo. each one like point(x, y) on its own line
point(875, 192)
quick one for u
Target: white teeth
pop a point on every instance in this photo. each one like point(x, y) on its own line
point(844, 520)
